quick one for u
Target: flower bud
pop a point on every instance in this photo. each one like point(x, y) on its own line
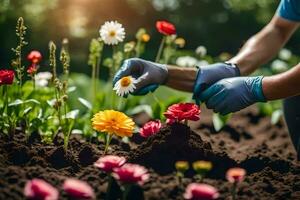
point(65, 98)
point(202, 167)
point(235, 175)
point(182, 166)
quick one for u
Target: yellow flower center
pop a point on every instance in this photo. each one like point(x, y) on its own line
point(126, 81)
point(112, 34)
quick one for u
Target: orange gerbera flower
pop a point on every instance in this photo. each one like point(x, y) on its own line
point(113, 122)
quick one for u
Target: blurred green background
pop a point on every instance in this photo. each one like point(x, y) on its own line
point(220, 25)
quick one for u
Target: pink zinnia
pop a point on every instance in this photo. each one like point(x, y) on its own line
point(78, 189)
point(197, 191)
point(110, 162)
point(38, 189)
point(235, 175)
point(131, 173)
point(150, 128)
point(34, 57)
point(183, 111)
point(32, 69)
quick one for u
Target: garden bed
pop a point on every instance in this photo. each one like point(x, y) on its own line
point(248, 141)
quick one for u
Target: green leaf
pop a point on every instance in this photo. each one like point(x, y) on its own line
point(72, 114)
point(27, 110)
point(32, 101)
point(219, 121)
point(71, 89)
point(85, 102)
point(16, 102)
point(141, 108)
point(276, 115)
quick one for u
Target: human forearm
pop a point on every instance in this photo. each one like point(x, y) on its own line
point(181, 78)
point(264, 45)
point(282, 85)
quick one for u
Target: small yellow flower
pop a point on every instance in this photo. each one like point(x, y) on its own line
point(182, 166)
point(113, 122)
point(145, 37)
point(180, 42)
point(202, 167)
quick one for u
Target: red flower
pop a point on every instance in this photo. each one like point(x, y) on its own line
point(235, 175)
point(32, 70)
point(183, 111)
point(40, 190)
point(78, 189)
point(165, 28)
point(34, 57)
point(6, 77)
point(110, 162)
point(150, 128)
point(196, 191)
point(131, 173)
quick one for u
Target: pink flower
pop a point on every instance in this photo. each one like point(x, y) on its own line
point(183, 111)
point(78, 189)
point(235, 175)
point(32, 69)
point(170, 121)
point(35, 57)
point(38, 189)
point(197, 191)
point(131, 173)
point(150, 128)
point(109, 163)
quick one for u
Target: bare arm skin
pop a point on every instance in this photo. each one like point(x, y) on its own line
point(263, 46)
point(181, 78)
point(283, 85)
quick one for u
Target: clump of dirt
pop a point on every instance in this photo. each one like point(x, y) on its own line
point(178, 142)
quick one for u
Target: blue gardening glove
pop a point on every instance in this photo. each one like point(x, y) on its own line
point(233, 94)
point(210, 74)
point(136, 67)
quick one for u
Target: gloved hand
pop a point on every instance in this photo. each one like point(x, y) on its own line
point(233, 94)
point(210, 74)
point(136, 67)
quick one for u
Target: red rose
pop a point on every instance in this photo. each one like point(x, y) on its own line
point(32, 70)
point(150, 128)
point(34, 57)
point(6, 77)
point(183, 111)
point(165, 28)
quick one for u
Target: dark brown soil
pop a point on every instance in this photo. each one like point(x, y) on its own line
point(248, 141)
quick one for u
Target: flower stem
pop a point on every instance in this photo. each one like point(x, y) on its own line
point(160, 50)
point(155, 98)
point(107, 142)
point(126, 191)
point(233, 191)
point(108, 190)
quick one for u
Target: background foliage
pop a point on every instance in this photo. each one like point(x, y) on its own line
point(220, 25)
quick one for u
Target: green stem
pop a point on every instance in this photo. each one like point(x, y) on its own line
point(160, 50)
point(137, 49)
point(107, 142)
point(94, 89)
point(5, 94)
point(108, 190)
point(233, 191)
point(126, 191)
point(155, 98)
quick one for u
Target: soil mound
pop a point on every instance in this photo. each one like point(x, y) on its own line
point(178, 142)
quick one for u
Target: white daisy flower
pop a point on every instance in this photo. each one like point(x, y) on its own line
point(279, 66)
point(127, 84)
point(112, 33)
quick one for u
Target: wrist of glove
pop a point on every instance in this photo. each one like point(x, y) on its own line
point(210, 74)
point(233, 94)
